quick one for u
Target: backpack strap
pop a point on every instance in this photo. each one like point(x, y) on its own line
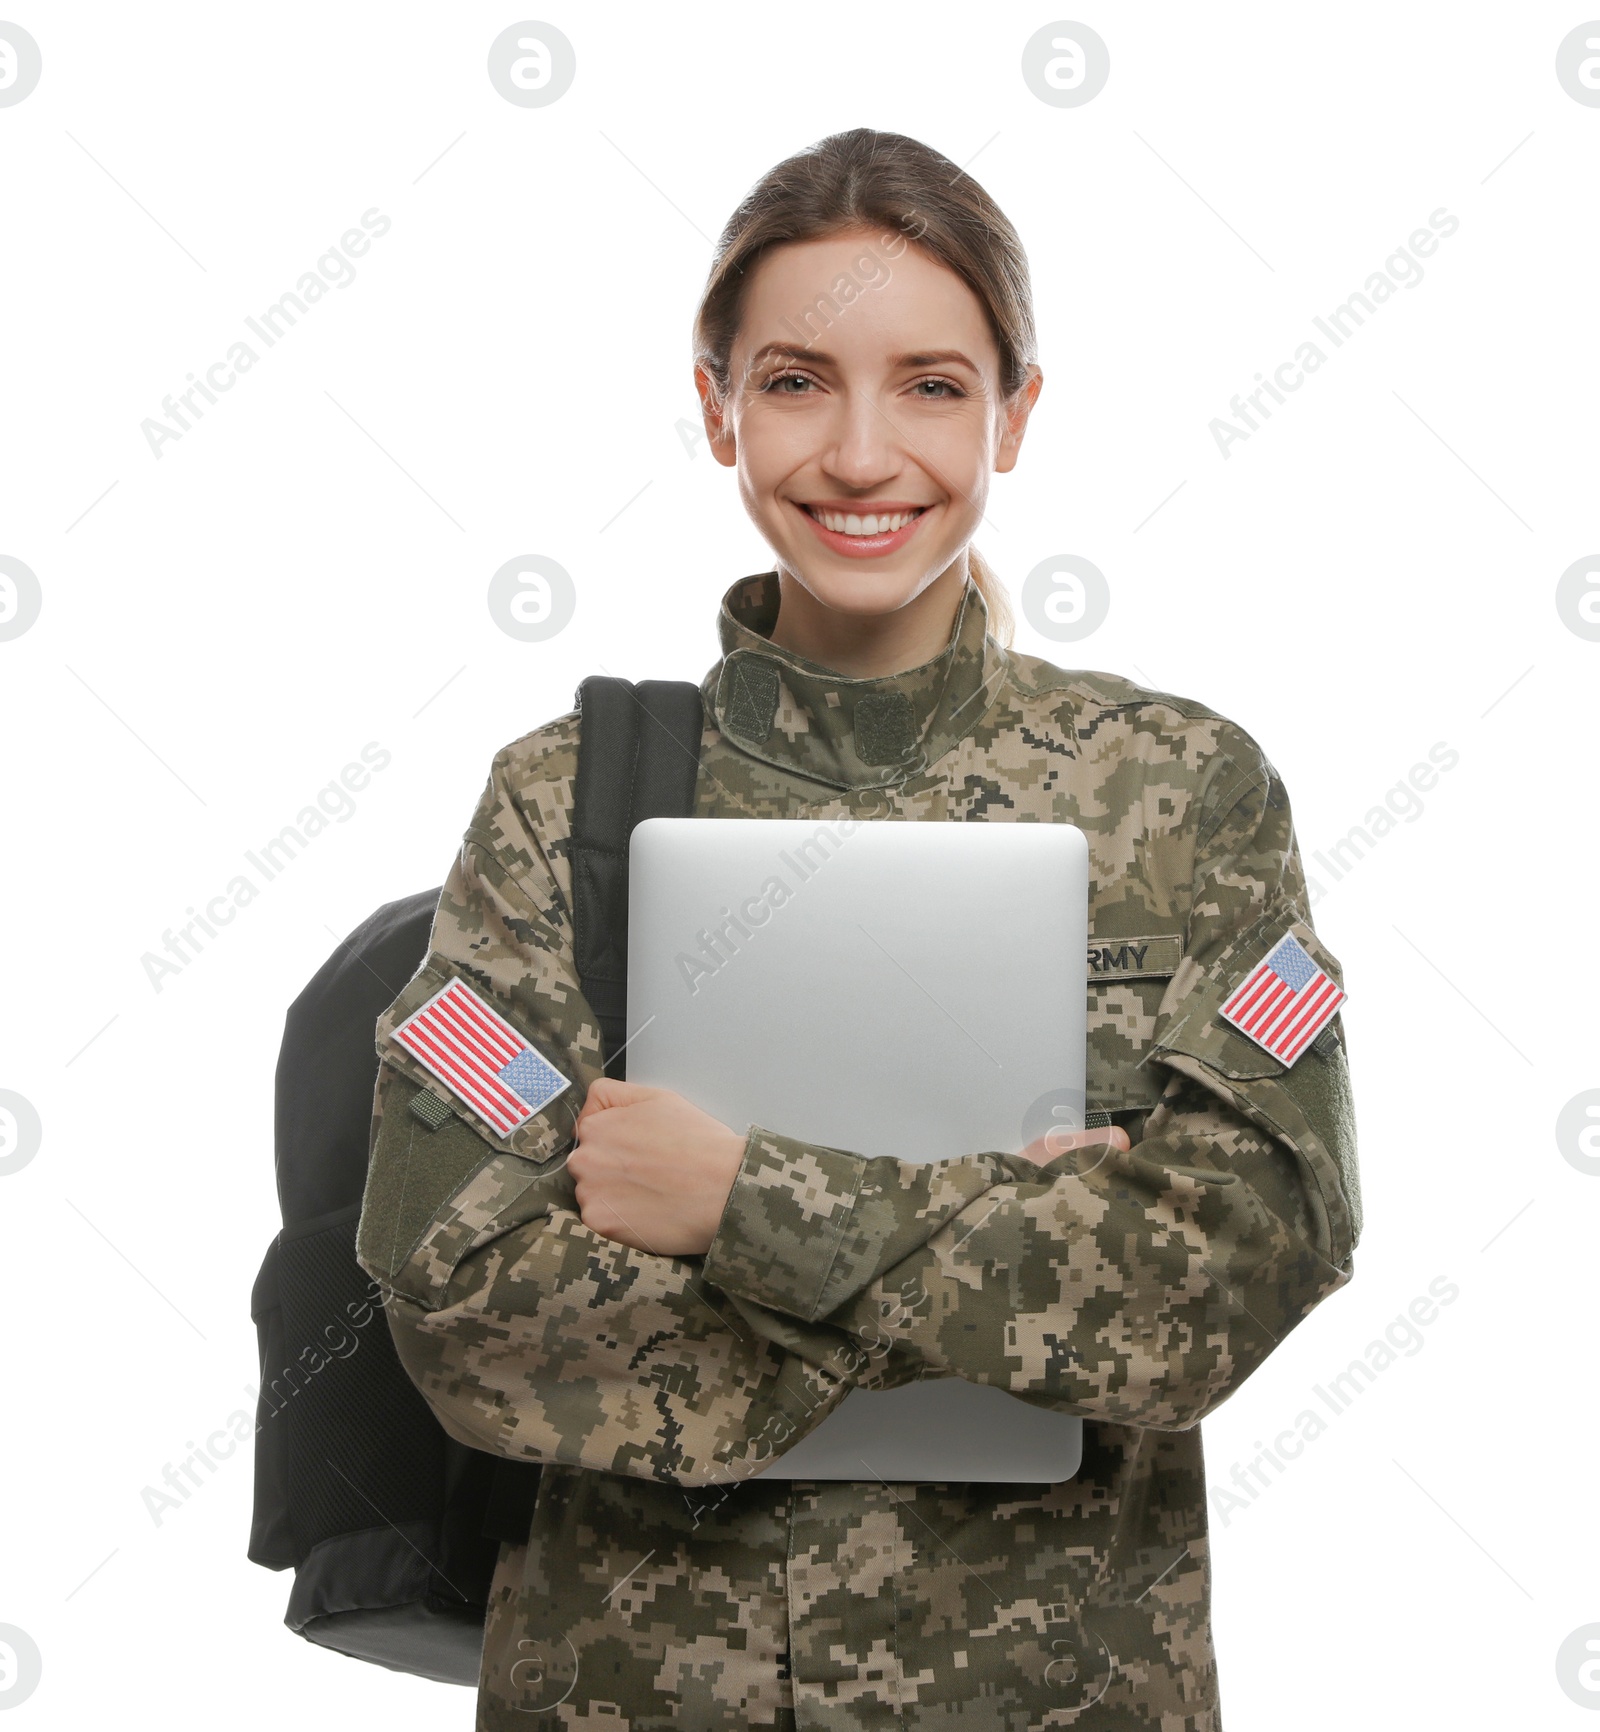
point(638, 757)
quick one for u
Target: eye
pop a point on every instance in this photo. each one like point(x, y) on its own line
point(942, 390)
point(791, 378)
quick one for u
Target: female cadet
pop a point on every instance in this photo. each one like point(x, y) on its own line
point(653, 1303)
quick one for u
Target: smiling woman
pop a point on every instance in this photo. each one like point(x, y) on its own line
point(927, 383)
point(641, 1299)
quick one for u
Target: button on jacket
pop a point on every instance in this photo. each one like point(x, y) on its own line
point(660, 1583)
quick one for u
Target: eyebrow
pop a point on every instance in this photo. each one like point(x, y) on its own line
point(922, 358)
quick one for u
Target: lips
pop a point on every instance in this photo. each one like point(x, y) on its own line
point(893, 525)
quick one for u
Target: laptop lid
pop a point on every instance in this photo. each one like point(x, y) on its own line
point(916, 990)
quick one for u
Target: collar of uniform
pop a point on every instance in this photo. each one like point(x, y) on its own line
point(850, 733)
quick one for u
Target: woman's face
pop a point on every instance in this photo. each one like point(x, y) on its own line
point(864, 416)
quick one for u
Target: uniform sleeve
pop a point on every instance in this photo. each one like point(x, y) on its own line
point(529, 1335)
point(1138, 1288)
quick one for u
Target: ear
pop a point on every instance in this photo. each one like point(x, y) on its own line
point(714, 413)
point(1015, 420)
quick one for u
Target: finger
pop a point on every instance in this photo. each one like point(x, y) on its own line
point(594, 1102)
point(1062, 1139)
point(1059, 1142)
point(610, 1091)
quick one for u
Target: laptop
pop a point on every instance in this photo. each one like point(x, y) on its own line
point(913, 989)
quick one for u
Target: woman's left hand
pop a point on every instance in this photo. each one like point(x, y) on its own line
point(652, 1170)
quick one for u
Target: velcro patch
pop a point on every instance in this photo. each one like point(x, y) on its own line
point(426, 1106)
point(1284, 1002)
point(480, 1057)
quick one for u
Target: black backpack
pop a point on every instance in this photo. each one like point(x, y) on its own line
point(393, 1528)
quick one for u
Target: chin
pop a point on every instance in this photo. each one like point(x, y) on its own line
point(857, 591)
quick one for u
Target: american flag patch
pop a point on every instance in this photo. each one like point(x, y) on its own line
point(1284, 1001)
point(480, 1057)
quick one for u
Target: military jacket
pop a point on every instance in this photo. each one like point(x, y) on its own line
point(661, 1584)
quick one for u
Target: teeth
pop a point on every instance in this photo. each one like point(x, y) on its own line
point(848, 523)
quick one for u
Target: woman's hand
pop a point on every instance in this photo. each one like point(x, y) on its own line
point(652, 1170)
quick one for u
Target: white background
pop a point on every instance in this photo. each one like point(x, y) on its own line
point(1373, 571)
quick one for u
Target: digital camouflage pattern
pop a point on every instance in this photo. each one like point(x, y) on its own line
point(660, 1583)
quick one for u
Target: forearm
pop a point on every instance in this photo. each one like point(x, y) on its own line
point(1137, 1287)
point(806, 1227)
point(534, 1337)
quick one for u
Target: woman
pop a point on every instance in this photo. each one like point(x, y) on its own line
point(651, 1302)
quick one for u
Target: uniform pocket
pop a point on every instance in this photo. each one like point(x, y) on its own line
point(1306, 1103)
point(1196, 996)
point(470, 1066)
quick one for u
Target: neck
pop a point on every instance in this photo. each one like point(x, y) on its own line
point(869, 646)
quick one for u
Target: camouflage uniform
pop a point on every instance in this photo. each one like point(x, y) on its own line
point(661, 1584)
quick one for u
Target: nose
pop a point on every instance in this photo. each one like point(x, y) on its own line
point(864, 449)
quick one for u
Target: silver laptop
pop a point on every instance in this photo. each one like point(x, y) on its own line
point(889, 987)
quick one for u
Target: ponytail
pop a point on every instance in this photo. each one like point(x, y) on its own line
point(994, 596)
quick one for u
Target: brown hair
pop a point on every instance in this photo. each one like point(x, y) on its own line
point(870, 179)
